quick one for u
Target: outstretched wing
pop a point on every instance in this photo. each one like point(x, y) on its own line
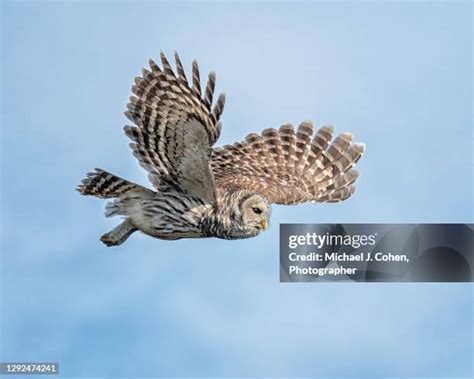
point(288, 167)
point(174, 128)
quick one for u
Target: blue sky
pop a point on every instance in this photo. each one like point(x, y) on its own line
point(397, 75)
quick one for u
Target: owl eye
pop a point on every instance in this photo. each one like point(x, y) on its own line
point(256, 210)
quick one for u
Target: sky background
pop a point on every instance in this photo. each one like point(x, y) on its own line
point(397, 75)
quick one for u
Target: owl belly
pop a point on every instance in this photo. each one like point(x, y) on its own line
point(172, 216)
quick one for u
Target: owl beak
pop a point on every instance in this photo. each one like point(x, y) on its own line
point(264, 224)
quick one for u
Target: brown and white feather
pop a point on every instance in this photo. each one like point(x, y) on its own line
point(288, 167)
point(174, 128)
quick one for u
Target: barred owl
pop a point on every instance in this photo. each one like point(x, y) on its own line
point(203, 191)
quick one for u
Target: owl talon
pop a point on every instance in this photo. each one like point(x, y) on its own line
point(107, 240)
point(119, 235)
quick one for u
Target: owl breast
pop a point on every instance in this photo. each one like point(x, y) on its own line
point(173, 215)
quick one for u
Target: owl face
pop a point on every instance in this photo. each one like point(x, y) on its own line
point(256, 212)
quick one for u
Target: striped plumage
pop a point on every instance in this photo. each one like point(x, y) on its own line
point(289, 167)
point(202, 191)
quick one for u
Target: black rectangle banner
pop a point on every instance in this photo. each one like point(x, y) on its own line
point(376, 252)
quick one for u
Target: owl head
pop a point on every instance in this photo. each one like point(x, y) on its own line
point(253, 211)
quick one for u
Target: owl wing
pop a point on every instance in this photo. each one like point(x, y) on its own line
point(288, 167)
point(174, 128)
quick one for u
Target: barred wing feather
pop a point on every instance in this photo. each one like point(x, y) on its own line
point(175, 128)
point(289, 167)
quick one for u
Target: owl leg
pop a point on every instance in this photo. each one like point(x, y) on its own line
point(119, 234)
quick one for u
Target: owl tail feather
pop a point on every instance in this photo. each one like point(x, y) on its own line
point(105, 185)
point(126, 196)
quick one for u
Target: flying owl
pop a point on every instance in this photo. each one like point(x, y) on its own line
point(203, 191)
